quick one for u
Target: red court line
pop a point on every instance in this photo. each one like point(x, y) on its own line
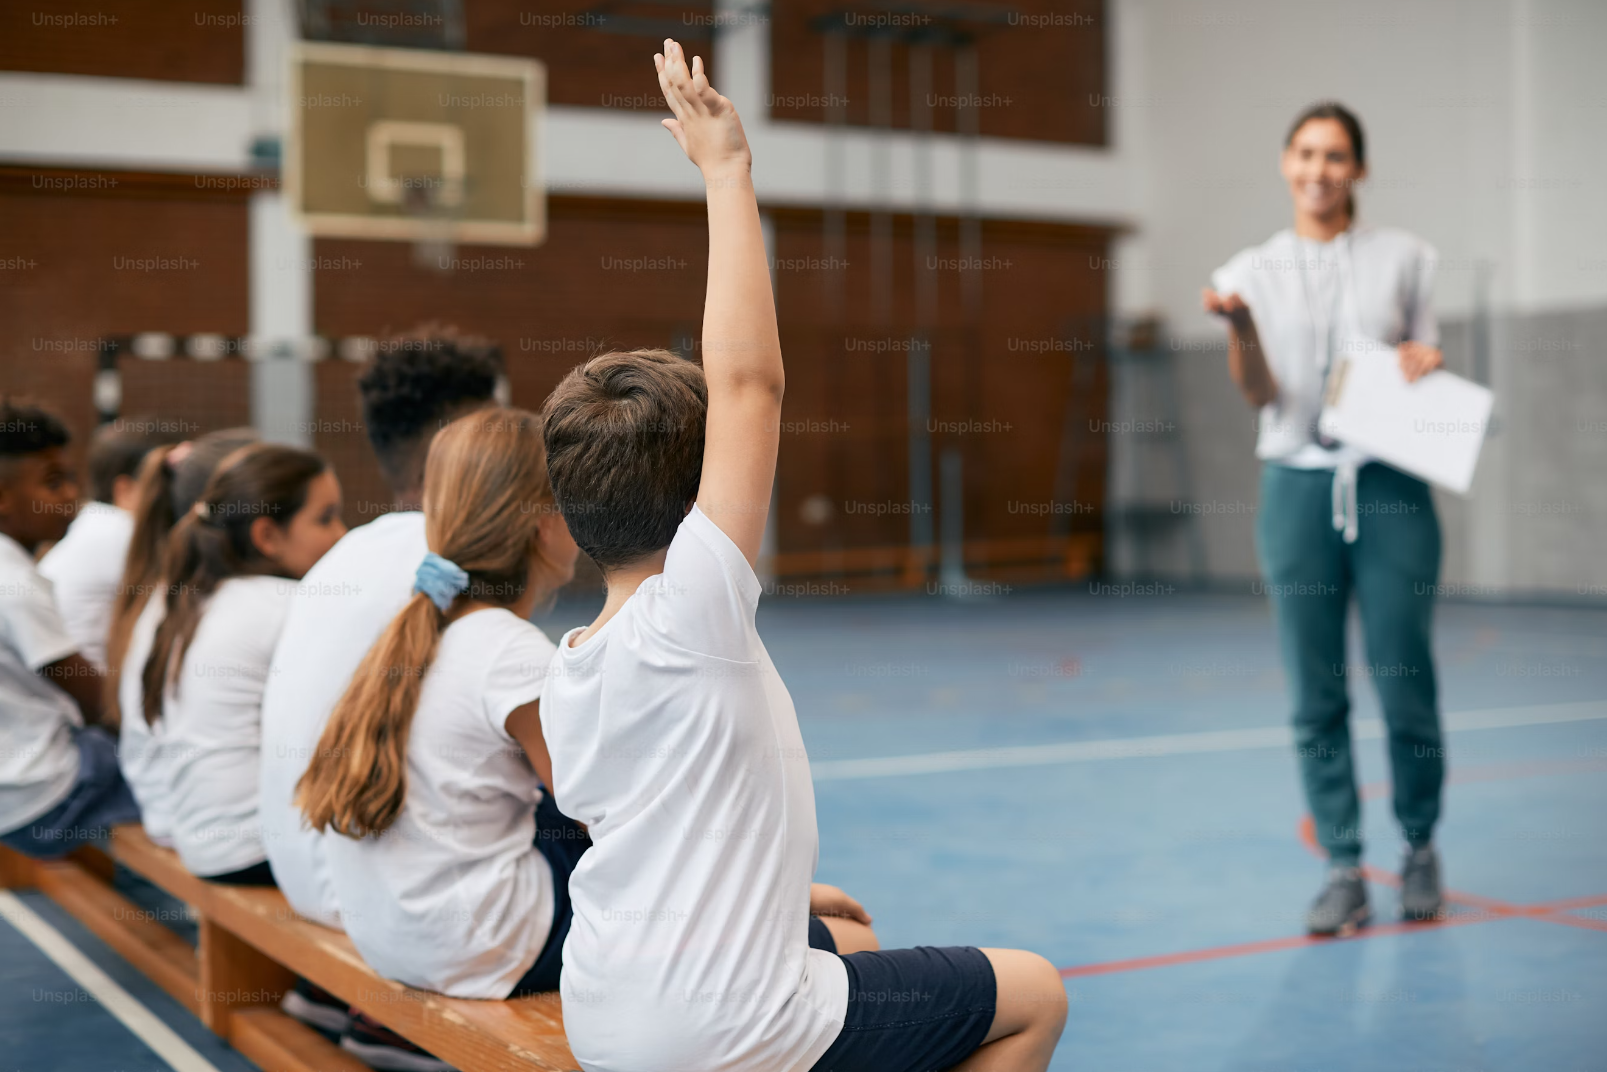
point(1571, 903)
point(1488, 907)
point(1566, 920)
point(1267, 945)
point(1308, 837)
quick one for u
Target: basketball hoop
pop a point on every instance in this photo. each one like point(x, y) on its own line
point(430, 148)
point(435, 221)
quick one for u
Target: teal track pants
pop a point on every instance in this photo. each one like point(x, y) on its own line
point(1392, 570)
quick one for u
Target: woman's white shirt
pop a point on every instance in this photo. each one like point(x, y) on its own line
point(455, 897)
point(1307, 296)
point(212, 724)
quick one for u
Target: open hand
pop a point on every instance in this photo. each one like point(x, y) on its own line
point(1228, 306)
point(1418, 360)
point(827, 900)
point(706, 125)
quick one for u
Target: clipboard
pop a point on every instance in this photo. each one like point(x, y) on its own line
point(1432, 429)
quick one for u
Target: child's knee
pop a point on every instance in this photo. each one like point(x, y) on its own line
point(851, 936)
point(1049, 991)
point(1030, 995)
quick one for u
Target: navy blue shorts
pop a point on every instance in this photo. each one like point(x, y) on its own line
point(910, 1010)
point(98, 801)
point(562, 841)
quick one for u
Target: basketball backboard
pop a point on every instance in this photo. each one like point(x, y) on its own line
point(414, 145)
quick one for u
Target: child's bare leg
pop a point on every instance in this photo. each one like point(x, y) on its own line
point(851, 935)
point(1028, 1017)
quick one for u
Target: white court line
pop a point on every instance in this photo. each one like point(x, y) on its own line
point(119, 1002)
point(1178, 744)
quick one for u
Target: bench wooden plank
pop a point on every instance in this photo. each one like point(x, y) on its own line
point(275, 1042)
point(17, 872)
point(520, 1035)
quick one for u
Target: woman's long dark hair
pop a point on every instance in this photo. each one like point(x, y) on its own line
point(1345, 118)
point(212, 543)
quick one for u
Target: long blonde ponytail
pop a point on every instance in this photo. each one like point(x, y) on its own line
point(485, 492)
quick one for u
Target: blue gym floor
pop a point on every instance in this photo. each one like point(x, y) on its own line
point(1051, 770)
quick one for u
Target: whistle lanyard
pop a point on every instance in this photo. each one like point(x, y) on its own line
point(1322, 319)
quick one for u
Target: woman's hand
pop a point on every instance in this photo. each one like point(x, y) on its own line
point(827, 900)
point(706, 125)
point(1229, 306)
point(1418, 360)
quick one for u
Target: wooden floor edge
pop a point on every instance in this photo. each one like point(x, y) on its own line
point(158, 953)
point(278, 1043)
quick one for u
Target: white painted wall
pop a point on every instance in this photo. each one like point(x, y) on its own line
point(1478, 115)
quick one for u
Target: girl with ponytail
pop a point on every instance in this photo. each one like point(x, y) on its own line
point(168, 483)
point(265, 517)
point(452, 871)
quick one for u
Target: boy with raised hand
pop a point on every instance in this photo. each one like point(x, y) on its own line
point(694, 946)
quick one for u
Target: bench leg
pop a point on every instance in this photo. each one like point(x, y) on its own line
point(95, 862)
point(235, 975)
point(17, 872)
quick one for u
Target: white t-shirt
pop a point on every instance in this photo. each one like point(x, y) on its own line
point(213, 725)
point(455, 897)
point(38, 755)
point(339, 610)
point(143, 751)
point(1306, 297)
point(86, 567)
point(673, 738)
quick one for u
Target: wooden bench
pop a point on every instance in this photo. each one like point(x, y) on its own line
point(252, 947)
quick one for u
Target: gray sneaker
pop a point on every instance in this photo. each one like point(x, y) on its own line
point(1341, 907)
point(1421, 899)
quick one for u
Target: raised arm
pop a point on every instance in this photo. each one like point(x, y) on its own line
point(1247, 362)
point(741, 348)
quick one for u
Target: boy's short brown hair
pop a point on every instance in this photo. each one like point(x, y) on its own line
point(624, 437)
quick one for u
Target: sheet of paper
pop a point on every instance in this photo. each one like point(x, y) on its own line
point(1433, 428)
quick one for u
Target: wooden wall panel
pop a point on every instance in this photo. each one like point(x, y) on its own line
point(1041, 65)
point(612, 274)
point(89, 255)
point(598, 54)
point(171, 40)
point(1001, 389)
point(619, 274)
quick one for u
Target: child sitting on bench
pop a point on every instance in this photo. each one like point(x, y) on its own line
point(59, 783)
point(453, 871)
point(674, 739)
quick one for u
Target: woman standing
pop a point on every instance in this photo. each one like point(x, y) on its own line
point(1333, 522)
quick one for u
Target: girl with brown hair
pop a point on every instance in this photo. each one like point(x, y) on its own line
point(266, 515)
point(452, 874)
point(170, 479)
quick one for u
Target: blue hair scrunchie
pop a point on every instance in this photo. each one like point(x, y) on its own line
point(441, 579)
